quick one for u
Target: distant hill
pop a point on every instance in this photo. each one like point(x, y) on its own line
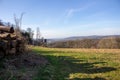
point(90, 37)
point(81, 37)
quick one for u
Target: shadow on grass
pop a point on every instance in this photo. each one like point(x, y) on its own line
point(64, 66)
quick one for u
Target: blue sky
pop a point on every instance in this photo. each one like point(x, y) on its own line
point(65, 18)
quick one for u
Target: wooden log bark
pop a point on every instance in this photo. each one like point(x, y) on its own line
point(8, 36)
point(10, 42)
point(6, 29)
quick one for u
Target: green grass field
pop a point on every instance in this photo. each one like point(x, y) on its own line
point(79, 64)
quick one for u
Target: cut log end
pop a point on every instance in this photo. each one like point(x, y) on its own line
point(11, 30)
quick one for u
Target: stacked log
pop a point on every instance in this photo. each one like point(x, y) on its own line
point(10, 43)
point(7, 29)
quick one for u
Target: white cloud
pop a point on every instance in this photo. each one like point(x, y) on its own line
point(72, 11)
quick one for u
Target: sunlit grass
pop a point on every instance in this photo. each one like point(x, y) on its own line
point(82, 64)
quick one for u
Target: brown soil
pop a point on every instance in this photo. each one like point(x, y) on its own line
point(21, 67)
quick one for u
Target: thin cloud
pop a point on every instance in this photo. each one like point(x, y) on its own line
point(72, 11)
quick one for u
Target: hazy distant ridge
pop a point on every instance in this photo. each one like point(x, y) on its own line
point(81, 37)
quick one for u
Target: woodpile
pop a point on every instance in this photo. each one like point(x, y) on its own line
point(10, 42)
point(6, 29)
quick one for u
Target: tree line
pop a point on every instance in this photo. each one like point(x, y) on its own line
point(108, 42)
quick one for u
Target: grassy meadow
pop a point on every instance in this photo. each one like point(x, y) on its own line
point(79, 64)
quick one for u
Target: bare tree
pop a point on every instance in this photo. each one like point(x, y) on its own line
point(18, 23)
point(109, 42)
point(38, 34)
point(31, 32)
